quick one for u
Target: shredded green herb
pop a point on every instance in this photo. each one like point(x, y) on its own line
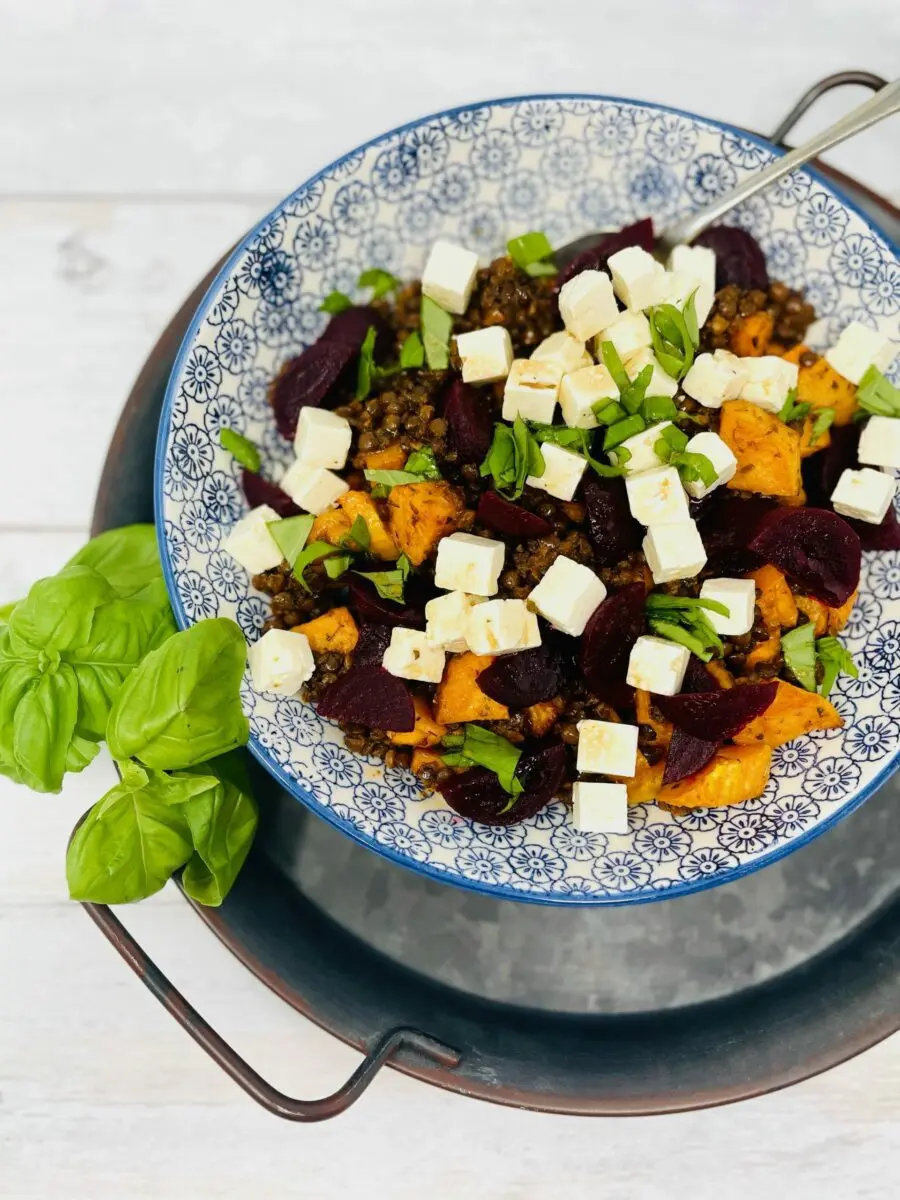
point(381, 282)
point(530, 253)
point(480, 747)
point(390, 584)
point(240, 448)
point(799, 649)
point(682, 619)
point(436, 326)
point(877, 395)
point(514, 454)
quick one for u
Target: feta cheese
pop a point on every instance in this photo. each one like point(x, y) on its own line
point(580, 391)
point(502, 627)
point(629, 333)
point(767, 381)
point(638, 279)
point(449, 276)
point(562, 472)
point(564, 351)
point(486, 354)
point(719, 454)
point(642, 450)
point(738, 596)
point(281, 661)
point(657, 497)
point(445, 621)
point(312, 488)
point(660, 384)
point(468, 563)
point(879, 443)
point(696, 265)
point(568, 595)
point(600, 807)
point(712, 380)
point(531, 389)
point(587, 304)
point(322, 438)
point(859, 348)
point(251, 543)
point(607, 748)
point(674, 551)
point(410, 655)
point(656, 665)
point(864, 494)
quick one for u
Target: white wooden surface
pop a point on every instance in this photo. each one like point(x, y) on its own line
point(136, 140)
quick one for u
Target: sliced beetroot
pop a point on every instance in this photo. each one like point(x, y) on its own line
point(372, 608)
point(307, 380)
point(739, 257)
point(478, 796)
point(885, 536)
point(470, 425)
point(613, 530)
point(372, 697)
point(596, 257)
point(717, 715)
point(687, 755)
point(518, 680)
point(351, 326)
point(727, 527)
point(815, 548)
point(608, 638)
point(261, 491)
point(371, 644)
point(821, 471)
point(503, 516)
point(697, 678)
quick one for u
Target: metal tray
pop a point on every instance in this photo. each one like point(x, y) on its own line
point(658, 1008)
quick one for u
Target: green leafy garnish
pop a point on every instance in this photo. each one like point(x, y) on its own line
point(689, 312)
point(530, 252)
point(127, 558)
point(691, 466)
point(307, 556)
point(412, 352)
point(579, 442)
point(822, 423)
point(621, 431)
point(877, 395)
point(290, 535)
point(631, 391)
point(683, 619)
point(608, 412)
point(437, 326)
point(423, 464)
point(358, 536)
point(381, 282)
point(337, 565)
point(613, 364)
point(389, 479)
point(366, 370)
point(514, 454)
point(479, 747)
point(673, 339)
point(420, 465)
point(672, 440)
point(389, 584)
point(240, 448)
point(836, 660)
point(335, 302)
point(659, 408)
point(799, 650)
point(791, 410)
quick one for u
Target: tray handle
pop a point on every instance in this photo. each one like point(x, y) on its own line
point(811, 95)
point(276, 1102)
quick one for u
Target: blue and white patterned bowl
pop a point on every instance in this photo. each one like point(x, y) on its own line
point(567, 165)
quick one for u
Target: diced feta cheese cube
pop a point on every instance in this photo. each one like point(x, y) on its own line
point(580, 391)
point(660, 384)
point(502, 627)
point(531, 389)
point(449, 276)
point(562, 472)
point(486, 354)
point(712, 380)
point(445, 621)
point(879, 442)
point(567, 595)
point(767, 381)
point(322, 438)
point(587, 304)
point(719, 454)
point(697, 264)
point(629, 333)
point(410, 655)
point(469, 563)
point(312, 488)
point(642, 450)
point(564, 351)
point(674, 551)
point(638, 279)
point(281, 661)
point(864, 494)
point(738, 596)
point(859, 348)
point(657, 497)
point(656, 665)
point(607, 748)
point(251, 543)
point(600, 807)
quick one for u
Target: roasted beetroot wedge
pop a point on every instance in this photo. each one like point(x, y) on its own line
point(885, 536)
point(369, 696)
point(687, 755)
point(260, 491)
point(596, 257)
point(822, 471)
point(717, 715)
point(608, 638)
point(815, 548)
point(513, 520)
point(519, 680)
point(727, 526)
point(351, 326)
point(478, 796)
point(371, 644)
point(697, 678)
point(307, 380)
point(613, 530)
point(371, 608)
point(739, 257)
point(470, 425)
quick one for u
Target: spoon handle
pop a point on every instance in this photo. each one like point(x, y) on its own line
point(883, 104)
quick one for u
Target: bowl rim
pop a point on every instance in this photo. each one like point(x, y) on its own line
point(290, 785)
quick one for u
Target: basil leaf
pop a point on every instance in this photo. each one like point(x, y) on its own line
point(823, 421)
point(799, 650)
point(412, 352)
point(58, 612)
point(80, 753)
point(310, 554)
point(513, 455)
point(691, 324)
point(290, 535)
point(579, 441)
point(390, 584)
point(240, 448)
point(127, 558)
point(44, 726)
point(437, 326)
point(608, 412)
point(693, 467)
point(659, 408)
point(529, 250)
point(528, 457)
point(672, 340)
point(633, 396)
point(381, 282)
point(366, 368)
point(359, 535)
point(7, 610)
point(222, 820)
point(391, 479)
point(337, 565)
point(423, 463)
point(877, 395)
point(622, 430)
point(483, 748)
point(182, 704)
point(684, 635)
point(335, 302)
point(657, 601)
point(836, 660)
point(539, 270)
point(613, 364)
point(682, 619)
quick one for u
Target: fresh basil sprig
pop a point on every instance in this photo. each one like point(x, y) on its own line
point(877, 395)
point(514, 454)
point(127, 558)
point(480, 747)
point(807, 657)
point(531, 252)
point(682, 619)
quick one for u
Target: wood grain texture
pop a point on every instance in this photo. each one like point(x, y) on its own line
point(136, 142)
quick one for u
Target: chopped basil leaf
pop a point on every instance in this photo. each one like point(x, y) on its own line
point(366, 369)
point(389, 584)
point(608, 412)
point(659, 408)
point(358, 534)
point(633, 396)
point(337, 565)
point(693, 468)
point(381, 282)
point(290, 535)
point(682, 619)
point(514, 454)
point(240, 448)
point(631, 391)
point(877, 395)
point(412, 352)
point(836, 660)
point(310, 554)
point(391, 479)
point(482, 748)
point(792, 411)
point(613, 364)
point(530, 252)
point(822, 423)
point(422, 463)
point(689, 312)
point(579, 442)
point(437, 326)
point(799, 650)
point(622, 430)
point(335, 302)
point(671, 440)
point(683, 635)
point(538, 269)
point(673, 342)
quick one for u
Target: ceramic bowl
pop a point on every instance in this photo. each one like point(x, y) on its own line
point(566, 165)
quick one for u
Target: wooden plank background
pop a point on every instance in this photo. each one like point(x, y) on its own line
point(137, 140)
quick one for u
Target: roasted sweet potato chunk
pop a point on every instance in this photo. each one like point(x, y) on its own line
point(775, 599)
point(767, 450)
point(335, 631)
point(391, 458)
point(736, 773)
point(423, 758)
point(646, 782)
point(541, 717)
point(643, 702)
point(459, 698)
point(821, 386)
point(427, 731)
point(360, 504)
point(750, 335)
point(421, 514)
point(793, 712)
point(330, 526)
